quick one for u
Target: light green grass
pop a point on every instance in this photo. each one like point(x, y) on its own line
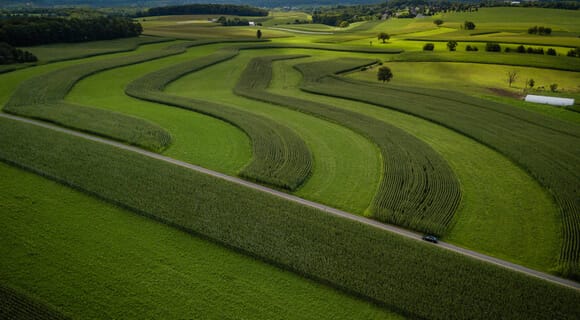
point(346, 165)
point(192, 28)
point(197, 138)
point(501, 214)
point(518, 18)
point(469, 77)
point(478, 79)
point(93, 260)
point(284, 17)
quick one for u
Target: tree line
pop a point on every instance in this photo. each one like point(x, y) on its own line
point(31, 31)
point(228, 9)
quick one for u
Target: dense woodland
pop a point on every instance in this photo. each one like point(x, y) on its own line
point(31, 31)
point(206, 9)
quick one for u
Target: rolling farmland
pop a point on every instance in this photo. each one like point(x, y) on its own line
point(302, 114)
point(510, 132)
point(405, 196)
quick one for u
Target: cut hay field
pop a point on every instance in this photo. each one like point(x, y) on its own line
point(128, 227)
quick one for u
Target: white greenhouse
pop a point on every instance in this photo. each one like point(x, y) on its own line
point(550, 100)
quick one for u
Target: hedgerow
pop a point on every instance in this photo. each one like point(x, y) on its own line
point(547, 148)
point(281, 157)
point(418, 189)
point(414, 278)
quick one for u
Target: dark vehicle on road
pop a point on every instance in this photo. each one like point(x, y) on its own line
point(430, 238)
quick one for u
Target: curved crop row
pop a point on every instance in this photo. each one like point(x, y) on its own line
point(15, 305)
point(547, 148)
point(281, 157)
point(418, 189)
point(41, 97)
point(408, 276)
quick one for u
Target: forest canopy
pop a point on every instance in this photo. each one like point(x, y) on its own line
point(223, 9)
point(31, 31)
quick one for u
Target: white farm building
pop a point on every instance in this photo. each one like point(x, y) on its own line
point(550, 100)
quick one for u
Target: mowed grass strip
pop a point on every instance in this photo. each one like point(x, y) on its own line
point(97, 261)
point(418, 190)
point(512, 218)
point(281, 158)
point(17, 305)
point(406, 275)
point(41, 97)
point(545, 147)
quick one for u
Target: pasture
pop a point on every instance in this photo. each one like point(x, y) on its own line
point(446, 148)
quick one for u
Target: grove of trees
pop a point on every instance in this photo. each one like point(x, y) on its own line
point(452, 45)
point(9, 55)
point(540, 30)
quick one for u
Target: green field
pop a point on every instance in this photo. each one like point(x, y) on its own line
point(297, 238)
point(475, 224)
point(447, 147)
point(92, 254)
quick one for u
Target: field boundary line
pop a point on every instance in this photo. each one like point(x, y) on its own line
point(289, 197)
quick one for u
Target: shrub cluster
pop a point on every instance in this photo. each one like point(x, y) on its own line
point(233, 22)
point(492, 47)
point(9, 54)
point(531, 50)
point(471, 48)
point(428, 47)
point(574, 52)
point(540, 30)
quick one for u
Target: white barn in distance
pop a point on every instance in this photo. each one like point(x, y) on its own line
point(561, 102)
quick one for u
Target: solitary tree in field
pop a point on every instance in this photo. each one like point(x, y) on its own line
point(384, 36)
point(259, 34)
point(531, 83)
point(385, 74)
point(512, 77)
point(554, 87)
point(469, 25)
point(452, 45)
point(438, 22)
